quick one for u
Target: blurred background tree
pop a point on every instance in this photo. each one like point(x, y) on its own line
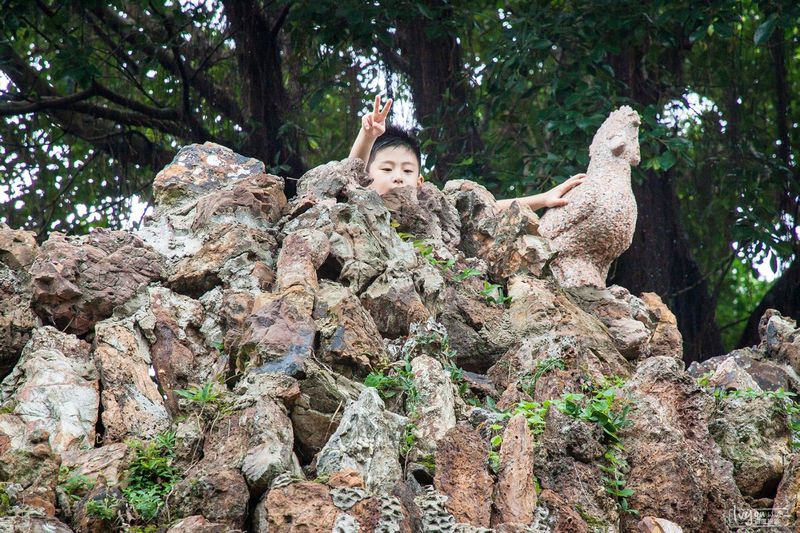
point(97, 96)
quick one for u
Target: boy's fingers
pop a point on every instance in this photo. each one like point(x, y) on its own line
point(377, 107)
point(386, 108)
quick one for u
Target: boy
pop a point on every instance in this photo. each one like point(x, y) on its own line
point(393, 160)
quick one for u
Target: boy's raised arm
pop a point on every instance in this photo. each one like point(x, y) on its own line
point(373, 125)
point(551, 198)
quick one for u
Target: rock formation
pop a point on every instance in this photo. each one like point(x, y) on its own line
point(597, 224)
point(335, 362)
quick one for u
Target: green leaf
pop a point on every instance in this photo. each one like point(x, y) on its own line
point(764, 32)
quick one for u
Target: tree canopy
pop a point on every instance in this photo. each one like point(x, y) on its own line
point(96, 96)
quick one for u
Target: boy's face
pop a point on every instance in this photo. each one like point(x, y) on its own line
point(392, 167)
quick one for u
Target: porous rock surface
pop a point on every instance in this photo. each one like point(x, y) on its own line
point(337, 362)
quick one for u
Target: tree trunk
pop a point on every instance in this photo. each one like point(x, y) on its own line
point(255, 32)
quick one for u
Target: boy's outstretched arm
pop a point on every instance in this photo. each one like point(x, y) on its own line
point(551, 198)
point(373, 125)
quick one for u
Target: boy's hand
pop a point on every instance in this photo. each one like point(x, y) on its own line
point(374, 124)
point(554, 197)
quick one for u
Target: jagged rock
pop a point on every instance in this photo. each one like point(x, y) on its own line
point(255, 201)
point(780, 338)
point(563, 518)
point(366, 440)
point(650, 524)
point(318, 411)
point(107, 462)
point(752, 433)
point(32, 524)
point(787, 498)
point(257, 440)
point(597, 224)
point(54, 388)
point(132, 405)
point(512, 243)
point(302, 253)
point(279, 334)
point(424, 212)
point(676, 470)
point(77, 281)
point(393, 302)
point(461, 475)
point(552, 326)
point(666, 339)
point(349, 339)
point(232, 255)
point(434, 513)
point(769, 375)
point(730, 376)
point(28, 461)
point(197, 524)
point(220, 496)
point(435, 409)
point(477, 207)
point(18, 249)
point(515, 492)
point(332, 180)
point(296, 508)
point(347, 478)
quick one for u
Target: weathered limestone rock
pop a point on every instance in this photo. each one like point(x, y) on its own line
point(232, 255)
point(296, 508)
point(18, 250)
point(780, 338)
point(255, 201)
point(477, 207)
point(349, 339)
point(107, 462)
point(425, 213)
point(676, 470)
point(552, 326)
point(220, 496)
point(730, 376)
point(461, 475)
point(650, 524)
point(32, 524)
point(302, 253)
point(54, 388)
point(257, 440)
point(768, 375)
point(515, 492)
point(317, 412)
point(332, 180)
point(77, 281)
point(752, 433)
point(394, 303)
point(787, 498)
point(132, 405)
point(196, 524)
point(28, 462)
point(435, 410)
point(597, 224)
point(639, 327)
point(366, 440)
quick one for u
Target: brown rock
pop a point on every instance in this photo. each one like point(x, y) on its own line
point(331, 181)
point(28, 460)
point(220, 496)
point(424, 212)
point(349, 339)
point(651, 524)
point(220, 261)
point(787, 498)
point(676, 471)
point(666, 339)
point(512, 245)
point(597, 224)
point(302, 253)
point(132, 405)
point(101, 494)
point(77, 281)
point(199, 169)
point(769, 375)
point(348, 477)
point(18, 248)
point(257, 198)
point(197, 524)
point(462, 476)
point(394, 304)
point(107, 462)
point(515, 492)
point(299, 507)
point(477, 207)
point(17, 319)
point(565, 518)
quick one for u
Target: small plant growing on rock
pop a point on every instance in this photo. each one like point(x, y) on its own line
point(493, 293)
point(104, 509)
point(466, 273)
point(75, 486)
point(202, 395)
point(548, 364)
point(151, 475)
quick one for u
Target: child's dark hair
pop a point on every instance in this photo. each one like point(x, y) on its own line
point(394, 137)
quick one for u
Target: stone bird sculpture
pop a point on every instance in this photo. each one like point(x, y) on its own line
point(597, 224)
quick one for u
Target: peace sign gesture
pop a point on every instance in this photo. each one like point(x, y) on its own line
point(374, 124)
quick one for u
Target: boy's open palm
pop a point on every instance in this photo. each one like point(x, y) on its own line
point(374, 124)
point(555, 196)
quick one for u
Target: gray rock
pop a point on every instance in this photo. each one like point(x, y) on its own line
point(366, 440)
point(434, 412)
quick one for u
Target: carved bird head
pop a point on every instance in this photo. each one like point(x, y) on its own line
point(618, 137)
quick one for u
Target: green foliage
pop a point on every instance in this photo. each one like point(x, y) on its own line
point(5, 500)
point(104, 509)
point(203, 396)
point(409, 438)
point(151, 475)
point(75, 486)
point(493, 293)
point(398, 380)
point(543, 366)
point(466, 273)
point(603, 407)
